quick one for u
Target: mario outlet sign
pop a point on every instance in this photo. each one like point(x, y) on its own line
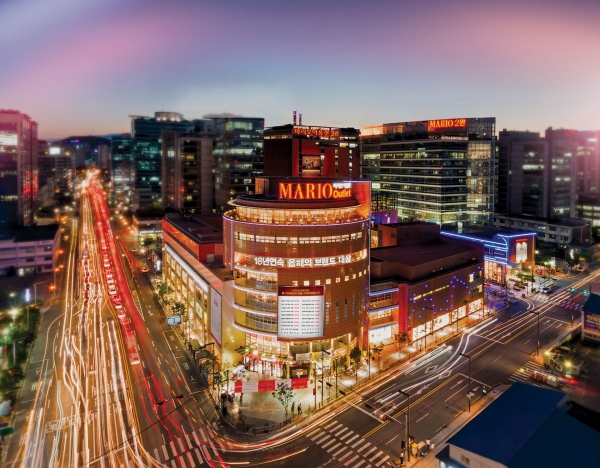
point(315, 191)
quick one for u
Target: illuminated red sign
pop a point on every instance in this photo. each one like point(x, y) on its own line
point(321, 132)
point(315, 191)
point(443, 124)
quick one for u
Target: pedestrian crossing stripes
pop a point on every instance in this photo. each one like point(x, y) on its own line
point(523, 374)
point(562, 299)
point(187, 454)
point(347, 447)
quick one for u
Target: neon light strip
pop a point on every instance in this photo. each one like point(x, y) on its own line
point(251, 330)
point(294, 226)
point(383, 309)
point(251, 270)
point(254, 311)
point(383, 291)
point(254, 291)
point(187, 268)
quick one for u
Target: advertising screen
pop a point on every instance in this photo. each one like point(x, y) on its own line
point(215, 315)
point(8, 138)
point(300, 312)
point(311, 165)
point(591, 322)
point(55, 151)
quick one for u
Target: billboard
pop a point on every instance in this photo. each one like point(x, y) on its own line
point(215, 315)
point(300, 312)
point(8, 138)
point(591, 322)
point(55, 151)
point(521, 248)
point(311, 165)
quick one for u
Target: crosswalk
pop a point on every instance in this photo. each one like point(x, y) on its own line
point(348, 447)
point(189, 450)
point(562, 299)
point(524, 373)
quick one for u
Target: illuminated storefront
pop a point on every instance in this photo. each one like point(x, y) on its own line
point(506, 251)
point(299, 252)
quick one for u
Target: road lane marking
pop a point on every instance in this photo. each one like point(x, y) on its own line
point(328, 443)
point(173, 448)
point(165, 453)
point(347, 454)
point(351, 460)
point(459, 390)
point(331, 449)
point(346, 435)
point(180, 444)
point(317, 441)
point(199, 457)
point(376, 429)
point(189, 454)
point(156, 457)
point(358, 442)
point(422, 417)
point(370, 451)
point(341, 431)
point(331, 424)
point(382, 460)
point(355, 436)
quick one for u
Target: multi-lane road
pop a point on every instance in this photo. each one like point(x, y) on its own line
point(114, 387)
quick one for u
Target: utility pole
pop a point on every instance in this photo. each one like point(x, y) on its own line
point(407, 427)
point(470, 382)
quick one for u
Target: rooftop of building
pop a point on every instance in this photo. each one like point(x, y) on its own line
point(30, 233)
point(418, 254)
point(551, 221)
point(592, 304)
point(516, 429)
point(289, 127)
point(202, 229)
point(489, 233)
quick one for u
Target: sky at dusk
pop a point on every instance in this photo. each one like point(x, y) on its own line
point(82, 66)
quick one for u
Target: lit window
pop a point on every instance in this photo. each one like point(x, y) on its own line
point(328, 281)
point(338, 280)
point(346, 278)
point(294, 283)
point(317, 282)
point(354, 276)
point(307, 283)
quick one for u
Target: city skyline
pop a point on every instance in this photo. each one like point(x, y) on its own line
point(341, 64)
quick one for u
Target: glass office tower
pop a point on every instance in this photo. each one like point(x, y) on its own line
point(18, 168)
point(440, 171)
point(146, 133)
point(238, 157)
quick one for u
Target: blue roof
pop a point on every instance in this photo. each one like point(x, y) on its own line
point(561, 441)
point(592, 304)
point(507, 424)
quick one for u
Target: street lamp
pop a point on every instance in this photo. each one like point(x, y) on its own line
point(470, 382)
point(407, 427)
point(35, 291)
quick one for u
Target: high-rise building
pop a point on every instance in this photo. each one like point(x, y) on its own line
point(296, 150)
point(52, 164)
point(146, 133)
point(239, 157)
point(563, 172)
point(523, 172)
point(440, 171)
point(122, 165)
point(18, 168)
point(187, 171)
point(103, 156)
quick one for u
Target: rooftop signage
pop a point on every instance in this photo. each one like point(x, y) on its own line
point(321, 132)
point(315, 191)
point(443, 124)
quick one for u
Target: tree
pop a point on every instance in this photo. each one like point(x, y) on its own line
point(355, 355)
point(402, 339)
point(219, 379)
point(284, 394)
point(178, 308)
point(10, 380)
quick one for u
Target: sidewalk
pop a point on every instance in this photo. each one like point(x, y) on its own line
point(440, 439)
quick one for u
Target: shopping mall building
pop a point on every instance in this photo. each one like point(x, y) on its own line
point(299, 253)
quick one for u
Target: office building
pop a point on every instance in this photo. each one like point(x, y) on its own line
point(122, 166)
point(562, 232)
point(238, 156)
point(523, 174)
point(103, 157)
point(18, 168)
point(146, 133)
point(52, 164)
point(187, 168)
point(421, 282)
point(297, 150)
point(29, 250)
point(439, 171)
point(299, 252)
point(517, 429)
point(588, 207)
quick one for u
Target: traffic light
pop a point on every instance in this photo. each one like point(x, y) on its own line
point(403, 444)
point(585, 292)
point(573, 289)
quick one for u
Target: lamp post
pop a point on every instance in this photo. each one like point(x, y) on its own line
point(470, 382)
point(35, 291)
point(407, 427)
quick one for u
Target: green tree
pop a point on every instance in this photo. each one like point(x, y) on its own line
point(284, 394)
point(10, 380)
point(355, 355)
point(219, 379)
point(401, 340)
point(178, 308)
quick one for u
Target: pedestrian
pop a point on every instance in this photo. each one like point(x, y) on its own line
point(241, 397)
point(428, 443)
point(293, 403)
point(402, 458)
point(300, 408)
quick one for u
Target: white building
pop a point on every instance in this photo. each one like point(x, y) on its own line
point(29, 250)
